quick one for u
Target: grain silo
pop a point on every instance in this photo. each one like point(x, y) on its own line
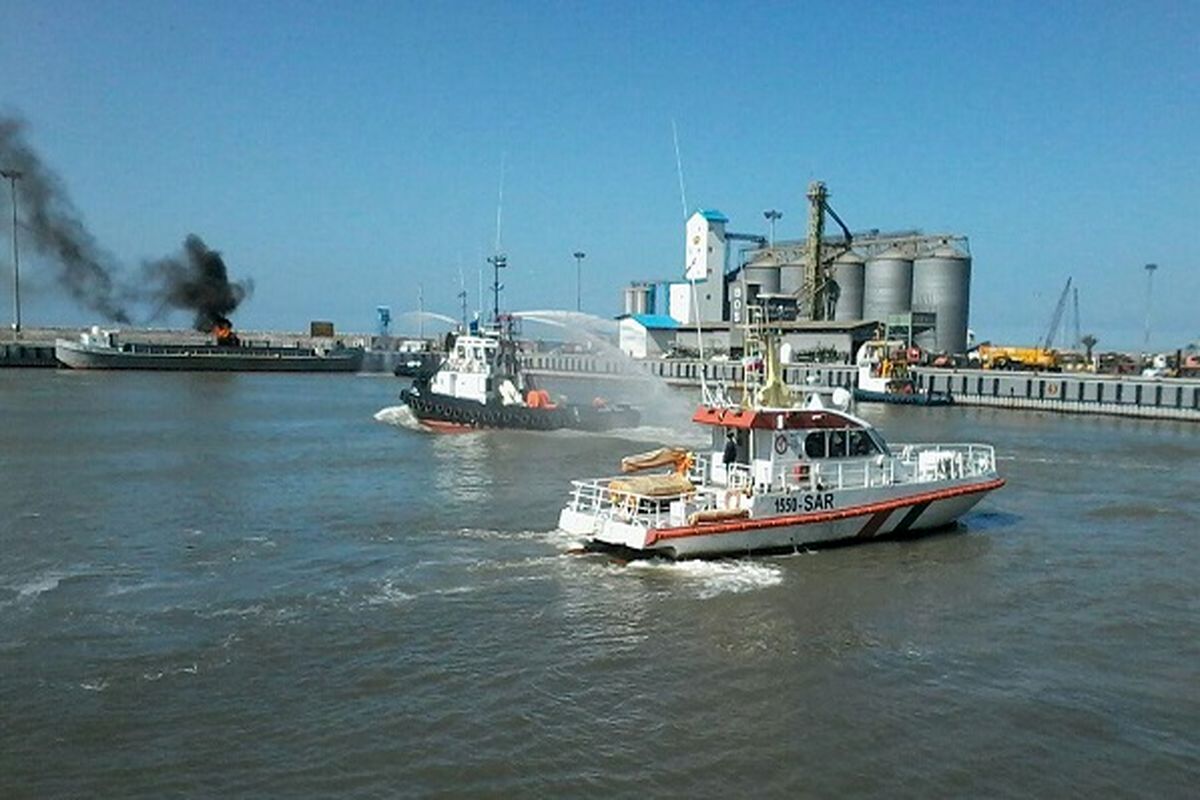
point(887, 286)
point(941, 283)
point(764, 275)
point(639, 298)
point(848, 273)
point(791, 277)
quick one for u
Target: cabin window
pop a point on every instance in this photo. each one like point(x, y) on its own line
point(814, 444)
point(837, 444)
point(861, 444)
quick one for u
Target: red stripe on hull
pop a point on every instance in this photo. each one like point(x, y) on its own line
point(824, 516)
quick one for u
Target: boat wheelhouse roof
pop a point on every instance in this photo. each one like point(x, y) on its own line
point(769, 419)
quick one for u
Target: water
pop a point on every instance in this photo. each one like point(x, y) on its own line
point(246, 585)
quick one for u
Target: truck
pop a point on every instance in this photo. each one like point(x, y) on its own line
point(994, 356)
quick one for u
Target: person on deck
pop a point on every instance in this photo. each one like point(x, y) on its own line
point(730, 454)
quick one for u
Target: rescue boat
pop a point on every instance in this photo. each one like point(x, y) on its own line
point(785, 470)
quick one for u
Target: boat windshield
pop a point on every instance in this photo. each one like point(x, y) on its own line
point(844, 443)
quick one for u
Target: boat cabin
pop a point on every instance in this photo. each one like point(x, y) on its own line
point(774, 445)
point(479, 366)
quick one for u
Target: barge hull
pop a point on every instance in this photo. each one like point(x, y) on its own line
point(206, 359)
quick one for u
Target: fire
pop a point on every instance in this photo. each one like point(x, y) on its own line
point(222, 330)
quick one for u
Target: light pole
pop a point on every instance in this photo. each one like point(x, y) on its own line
point(579, 257)
point(13, 176)
point(1149, 290)
point(772, 215)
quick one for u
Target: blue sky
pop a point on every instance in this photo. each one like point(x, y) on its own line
point(341, 154)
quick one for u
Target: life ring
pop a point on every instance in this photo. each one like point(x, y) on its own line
point(800, 472)
point(1052, 389)
point(781, 444)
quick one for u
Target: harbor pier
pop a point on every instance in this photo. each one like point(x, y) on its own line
point(1062, 392)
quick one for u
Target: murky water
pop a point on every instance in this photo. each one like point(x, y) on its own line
point(245, 585)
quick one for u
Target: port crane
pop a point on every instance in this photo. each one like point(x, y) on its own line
point(1042, 356)
point(1047, 342)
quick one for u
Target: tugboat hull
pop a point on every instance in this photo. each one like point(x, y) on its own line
point(456, 414)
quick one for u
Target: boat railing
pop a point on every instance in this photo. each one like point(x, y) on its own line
point(926, 462)
point(703, 472)
point(595, 497)
point(914, 463)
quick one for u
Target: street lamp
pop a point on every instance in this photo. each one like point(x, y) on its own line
point(1149, 290)
point(13, 176)
point(579, 257)
point(772, 215)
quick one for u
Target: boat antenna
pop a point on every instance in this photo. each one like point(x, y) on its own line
point(692, 281)
point(500, 204)
point(462, 293)
point(679, 168)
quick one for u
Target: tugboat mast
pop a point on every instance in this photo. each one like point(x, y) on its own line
point(498, 262)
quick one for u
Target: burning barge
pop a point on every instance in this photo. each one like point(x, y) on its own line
point(102, 349)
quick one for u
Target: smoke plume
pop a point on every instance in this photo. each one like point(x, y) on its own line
point(196, 281)
point(52, 226)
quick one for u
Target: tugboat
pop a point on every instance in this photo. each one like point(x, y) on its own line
point(782, 473)
point(480, 384)
point(884, 376)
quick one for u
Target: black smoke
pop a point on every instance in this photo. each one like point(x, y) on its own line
point(196, 281)
point(51, 225)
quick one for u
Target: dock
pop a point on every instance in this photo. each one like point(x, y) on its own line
point(1060, 392)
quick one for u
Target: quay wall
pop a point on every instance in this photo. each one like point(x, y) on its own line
point(1064, 392)
point(1068, 392)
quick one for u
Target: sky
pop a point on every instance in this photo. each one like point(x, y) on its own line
point(344, 154)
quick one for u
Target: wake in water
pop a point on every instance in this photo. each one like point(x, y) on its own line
point(400, 417)
point(711, 578)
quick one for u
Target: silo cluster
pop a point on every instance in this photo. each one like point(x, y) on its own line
point(886, 276)
point(638, 299)
point(933, 279)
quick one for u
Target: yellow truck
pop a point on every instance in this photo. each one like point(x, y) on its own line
point(992, 356)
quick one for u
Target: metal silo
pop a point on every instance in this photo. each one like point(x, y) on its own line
point(764, 275)
point(942, 284)
point(641, 299)
point(630, 297)
point(887, 287)
point(791, 277)
point(849, 273)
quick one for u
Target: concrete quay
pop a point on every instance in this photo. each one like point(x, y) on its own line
point(1061, 392)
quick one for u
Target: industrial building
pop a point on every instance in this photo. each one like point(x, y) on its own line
point(828, 289)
